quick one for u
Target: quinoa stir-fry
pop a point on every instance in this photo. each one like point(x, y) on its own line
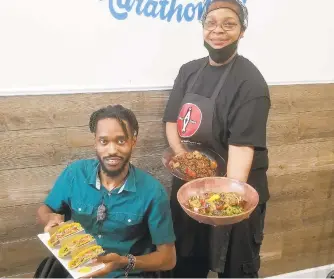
point(217, 204)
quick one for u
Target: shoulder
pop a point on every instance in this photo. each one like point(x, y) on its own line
point(83, 166)
point(192, 66)
point(248, 72)
point(148, 183)
point(250, 81)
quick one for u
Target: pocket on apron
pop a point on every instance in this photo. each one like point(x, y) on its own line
point(250, 269)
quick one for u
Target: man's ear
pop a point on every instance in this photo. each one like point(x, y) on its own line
point(94, 140)
point(134, 140)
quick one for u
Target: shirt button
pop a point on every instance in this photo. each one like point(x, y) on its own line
point(79, 209)
point(109, 194)
point(99, 236)
point(129, 220)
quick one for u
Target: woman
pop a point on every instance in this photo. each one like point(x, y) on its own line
point(221, 101)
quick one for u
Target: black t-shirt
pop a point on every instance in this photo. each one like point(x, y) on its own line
point(248, 93)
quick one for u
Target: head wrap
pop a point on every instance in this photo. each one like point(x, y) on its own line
point(236, 6)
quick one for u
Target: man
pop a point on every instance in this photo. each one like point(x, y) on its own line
point(123, 207)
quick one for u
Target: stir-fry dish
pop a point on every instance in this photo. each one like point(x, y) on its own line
point(194, 165)
point(217, 204)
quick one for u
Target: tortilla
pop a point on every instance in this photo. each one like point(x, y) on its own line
point(64, 231)
point(85, 255)
point(73, 243)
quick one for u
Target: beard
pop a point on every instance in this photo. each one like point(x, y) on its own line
point(116, 172)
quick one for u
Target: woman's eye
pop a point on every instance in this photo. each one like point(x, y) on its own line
point(230, 24)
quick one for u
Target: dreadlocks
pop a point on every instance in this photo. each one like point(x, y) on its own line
point(117, 112)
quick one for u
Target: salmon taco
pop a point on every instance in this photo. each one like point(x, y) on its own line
point(73, 243)
point(63, 231)
point(85, 255)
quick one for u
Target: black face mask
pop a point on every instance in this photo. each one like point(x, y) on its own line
point(221, 55)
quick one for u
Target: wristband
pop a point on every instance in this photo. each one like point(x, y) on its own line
point(131, 264)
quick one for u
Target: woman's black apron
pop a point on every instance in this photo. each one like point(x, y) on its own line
point(195, 124)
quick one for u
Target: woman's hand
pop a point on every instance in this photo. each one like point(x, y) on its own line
point(174, 139)
point(112, 262)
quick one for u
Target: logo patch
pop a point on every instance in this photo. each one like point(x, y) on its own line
point(189, 120)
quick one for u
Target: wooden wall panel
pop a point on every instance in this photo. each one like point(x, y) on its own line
point(19, 222)
point(315, 97)
point(39, 135)
point(315, 125)
point(282, 129)
point(21, 256)
point(26, 186)
point(37, 112)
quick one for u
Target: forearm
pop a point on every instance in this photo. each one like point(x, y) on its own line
point(154, 261)
point(240, 160)
point(44, 214)
point(173, 138)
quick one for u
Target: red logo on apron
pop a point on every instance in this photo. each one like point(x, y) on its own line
point(189, 120)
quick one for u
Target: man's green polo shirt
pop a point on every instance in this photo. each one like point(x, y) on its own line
point(138, 213)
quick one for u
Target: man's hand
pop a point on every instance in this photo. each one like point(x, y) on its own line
point(54, 219)
point(112, 262)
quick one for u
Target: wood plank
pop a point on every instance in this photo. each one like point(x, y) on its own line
point(286, 216)
point(280, 99)
point(311, 97)
point(37, 112)
point(301, 186)
point(21, 149)
point(272, 247)
point(19, 222)
point(2, 123)
point(315, 125)
point(27, 186)
point(282, 129)
point(296, 158)
point(317, 212)
point(309, 239)
point(295, 263)
point(21, 256)
point(283, 216)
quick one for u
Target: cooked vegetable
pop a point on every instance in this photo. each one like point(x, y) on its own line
point(194, 165)
point(217, 204)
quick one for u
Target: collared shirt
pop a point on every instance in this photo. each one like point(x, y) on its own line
point(138, 214)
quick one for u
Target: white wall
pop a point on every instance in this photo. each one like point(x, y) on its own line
point(61, 46)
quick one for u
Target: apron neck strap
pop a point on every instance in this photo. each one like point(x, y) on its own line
point(206, 61)
point(223, 79)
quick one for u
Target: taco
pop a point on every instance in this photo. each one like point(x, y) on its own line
point(74, 243)
point(85, 255)
point(63, 231)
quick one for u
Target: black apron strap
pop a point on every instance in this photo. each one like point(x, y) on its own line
point(222, 80)
point(197, 75)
